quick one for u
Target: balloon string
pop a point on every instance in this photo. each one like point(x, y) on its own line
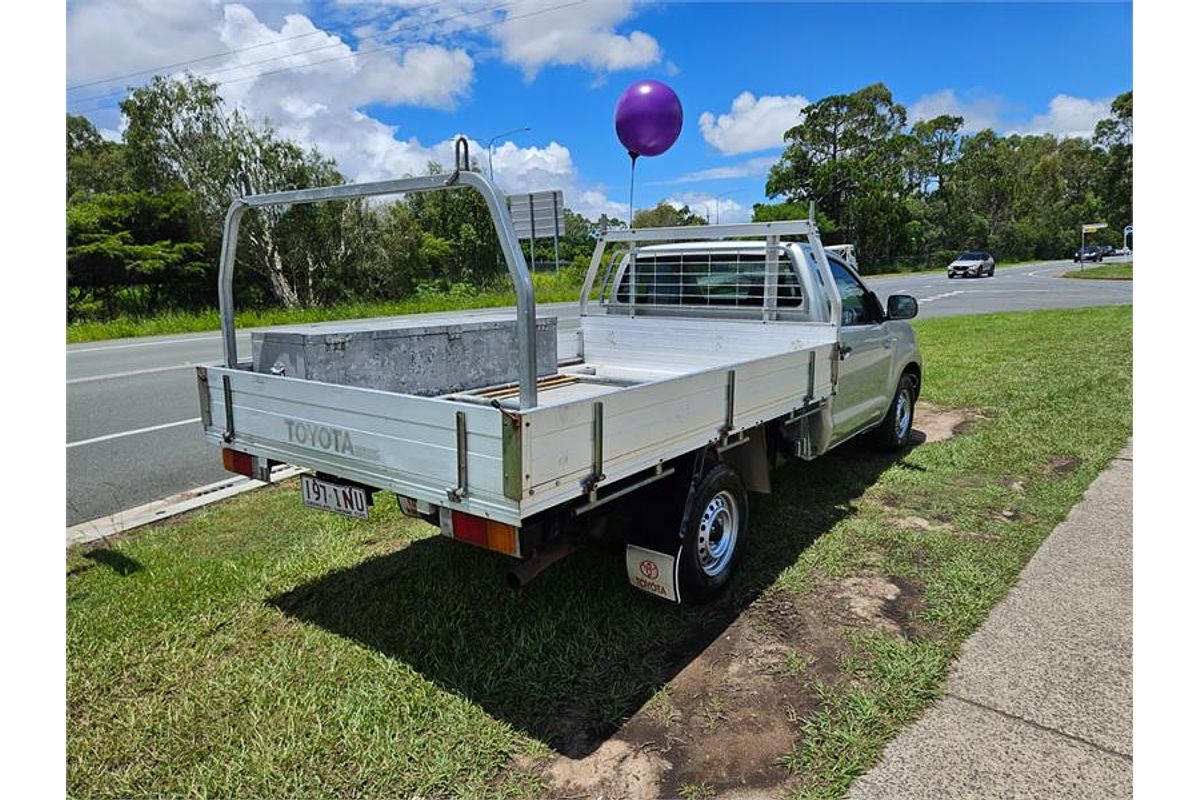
point(632, 164)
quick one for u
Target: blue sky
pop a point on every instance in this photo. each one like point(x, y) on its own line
point(480, 68)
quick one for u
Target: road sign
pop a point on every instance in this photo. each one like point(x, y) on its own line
point(1129, 230)
point(1092, 227)
point(537, 215)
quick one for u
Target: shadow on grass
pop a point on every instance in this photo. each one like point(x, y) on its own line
point(121, 564)
point(577, 652)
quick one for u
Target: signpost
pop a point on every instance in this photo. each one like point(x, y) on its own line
point(1090, 227)
point(1128, 233)
point(538, 215)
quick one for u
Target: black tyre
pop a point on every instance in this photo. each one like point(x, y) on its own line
point(895, 432)
point(715, 535)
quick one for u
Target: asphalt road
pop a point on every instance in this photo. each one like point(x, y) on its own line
point(133, 429)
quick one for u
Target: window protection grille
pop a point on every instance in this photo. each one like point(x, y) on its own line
point(707, 279)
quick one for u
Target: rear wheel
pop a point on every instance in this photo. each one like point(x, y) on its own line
point(895, 432)
point(715, 535)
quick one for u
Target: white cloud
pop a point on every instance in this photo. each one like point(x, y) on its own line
point(301, 61)
point(116, 37)
point(1065, 116)
point(312, 88)
point(752, 124)
point(752, 168)
point(978, 113)
point(1069, 116)
point(705, 205)
point(583, 35)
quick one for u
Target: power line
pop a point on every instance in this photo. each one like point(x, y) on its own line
point(237, 50)
point(360, 54)
point(115, 93)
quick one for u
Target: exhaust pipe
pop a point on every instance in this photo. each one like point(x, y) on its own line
point(520, 575)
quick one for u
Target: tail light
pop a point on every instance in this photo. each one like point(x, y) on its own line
point(237, 461)
point(481, 532)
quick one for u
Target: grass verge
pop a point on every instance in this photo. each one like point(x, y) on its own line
point(256, 649)
point(549, 288)
point(1104, 272)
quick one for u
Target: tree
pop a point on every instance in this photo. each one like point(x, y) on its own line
point(93, 164)
point(665, 215)
point(934, 152)
point(118, 242)
point(1115, 135)
point(462, 244)
point(180, 136)
point(848, 154)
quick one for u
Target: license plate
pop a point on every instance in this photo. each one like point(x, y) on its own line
point(337, 497)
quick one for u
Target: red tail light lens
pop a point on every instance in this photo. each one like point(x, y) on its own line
point(235, 461)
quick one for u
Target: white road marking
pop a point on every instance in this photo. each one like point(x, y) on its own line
point(941, 296)
point(73, 350)
point(128, 374)
point(135, 432)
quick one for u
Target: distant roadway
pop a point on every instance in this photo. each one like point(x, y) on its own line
point(133, 429)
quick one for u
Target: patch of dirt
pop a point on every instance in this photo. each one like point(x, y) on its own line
point(1061, 465)
point(914, 523)
point(615, 769)
point(887, 605)
point(734, 709)
point(939, 424)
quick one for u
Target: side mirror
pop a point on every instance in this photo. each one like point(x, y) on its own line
point(902, 306)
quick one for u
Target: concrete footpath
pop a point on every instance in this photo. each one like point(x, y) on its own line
point(1040, 701)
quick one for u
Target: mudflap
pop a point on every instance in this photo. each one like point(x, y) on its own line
point(653, 572)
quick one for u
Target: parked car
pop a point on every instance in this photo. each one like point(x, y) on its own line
point(1106, 250)
point(973, 264)
point(1089, 253)
point(640, 417)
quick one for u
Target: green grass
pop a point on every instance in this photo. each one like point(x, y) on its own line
point(1103, 272)
point(256, 649)
point(549, 288)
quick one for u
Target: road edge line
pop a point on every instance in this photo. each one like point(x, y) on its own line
point(156, 510)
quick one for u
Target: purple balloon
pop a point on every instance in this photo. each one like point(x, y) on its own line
point(649, 118)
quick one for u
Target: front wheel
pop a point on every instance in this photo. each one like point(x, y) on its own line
point(715, 535)
point(895, 432)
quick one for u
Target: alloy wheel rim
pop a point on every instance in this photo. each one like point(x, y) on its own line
point(903, 415)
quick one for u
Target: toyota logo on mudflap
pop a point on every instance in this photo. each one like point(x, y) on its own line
point(649, 569)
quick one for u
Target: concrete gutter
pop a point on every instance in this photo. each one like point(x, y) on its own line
point(131, 518)
point(1040, 702)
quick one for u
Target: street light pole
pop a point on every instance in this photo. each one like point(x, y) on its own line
point(717, 202)
point(491, 172)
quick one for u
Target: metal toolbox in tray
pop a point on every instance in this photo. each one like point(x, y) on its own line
point(417, 359)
